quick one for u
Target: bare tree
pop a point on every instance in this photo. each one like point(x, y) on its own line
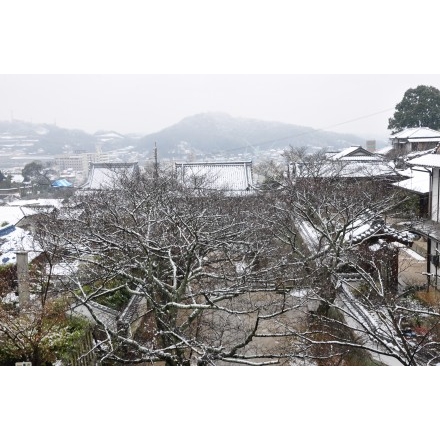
point(300, 273)
point(352, 257)
point(207, 265)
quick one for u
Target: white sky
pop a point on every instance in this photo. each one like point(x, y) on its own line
point(147, 103)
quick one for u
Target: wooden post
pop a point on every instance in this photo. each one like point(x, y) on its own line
point(23, 278)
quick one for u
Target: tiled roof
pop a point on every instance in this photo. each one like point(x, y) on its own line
point(17, 239)
point(230, 176)
point(105, 314)
point(13, 214)
point(346, 169)
point(420, 139)
point(417, 132)
point(418, 182)
point(385, 150)
point(428, 160)
point(105, 175)
point(350, 152)
point(377, 229)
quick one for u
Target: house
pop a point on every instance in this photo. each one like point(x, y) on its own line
point(355, 153)
point(352, 163)
point(105, 175)
point(417, 182)
point(233, 177)
point(414, 139)
point(125, 322)
point(385, 151)
point(430, 228)
point(17, 227)
point(376, 246)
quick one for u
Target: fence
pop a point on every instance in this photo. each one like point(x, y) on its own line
point(84, 356)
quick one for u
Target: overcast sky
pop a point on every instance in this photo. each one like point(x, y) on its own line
point(146, 103)
point(135, 66)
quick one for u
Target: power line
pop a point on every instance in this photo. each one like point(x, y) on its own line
point(310, 131)
point(359, 118)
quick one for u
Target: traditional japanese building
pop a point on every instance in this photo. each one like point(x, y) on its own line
point(233, 177)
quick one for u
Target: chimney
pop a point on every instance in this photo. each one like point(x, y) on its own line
point(23, 278)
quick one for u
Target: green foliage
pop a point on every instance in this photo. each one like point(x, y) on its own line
point(420, 107)
point(42, 337)
point(117, 300)
point(5, 181)
point(70, 338)
point(56, 345)
point(32, 170)
point(8, 277)
point(410, 207)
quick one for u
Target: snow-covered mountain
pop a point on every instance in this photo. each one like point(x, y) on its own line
point(209, 133)
point(201, 136)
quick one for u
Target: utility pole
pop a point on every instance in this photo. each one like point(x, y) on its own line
point(23, 278)
point(156, 174)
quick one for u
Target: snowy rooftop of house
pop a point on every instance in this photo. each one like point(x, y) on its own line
point(433, 139)
point(105, 314)
point(17, 240)
point(347, 169)
point(428, 160)
point(13, 214)
point(420, 133)
point(355, 153)
point(415, 154)
point(369, 228)
point(35, 203)
point(105, 175)
point(232, 176)
point(385, 150)
point(418, 180)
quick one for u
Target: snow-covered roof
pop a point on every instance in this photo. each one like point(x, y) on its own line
point(385, 150)
point(428, 160)
point(17, 240)
point(105, 314)
point(13, 214)
point(231, 176)
point(369, 229)
point(347, 169)
point(415, 154)
point(105, 175)
point(365, 228)
point(418, 181)
point(354, 153)
point(421, 133)
point(35, 204)
point(433, 139)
